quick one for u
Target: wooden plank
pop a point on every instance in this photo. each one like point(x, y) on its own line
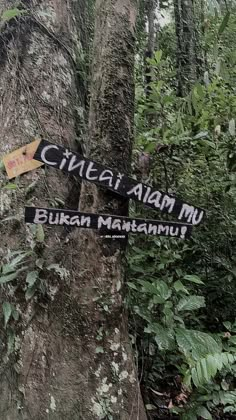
point(21, 160)
point(106, 223)
point(73, 163)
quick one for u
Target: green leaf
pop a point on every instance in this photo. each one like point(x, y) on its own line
point(9, 218)
point(39, 263)
point(163, 336)
point(211, 365)
point(179, 287)
point(204, 369)
point(30, 292)
point(196, 342)
point(201, 135)
point(158, 56)
point(132, 285)
point(40, 236)
point(193, 279)
point(15, 314)
point(99, 350)
point(148, 287)
point(232, 339)
point(195, 378)
point(15, 262)
point(200, 90)
point(204, 413)
point(218, 67)
point(224, 23)
point(19, 259)
point(31, 278)
point(232, 127)
point(191, 303)
point(227, 397)
point(7, 311)
point(227, 325)
point(30, 187)
point(218, 361)
point(9, 277)
point(2, 166)
point(160, 290)
point(187, 379)
point(206, 144)
point(11, 13)
point(150, 407)
point(10, 186)
point(163, 289)
point(230, 409)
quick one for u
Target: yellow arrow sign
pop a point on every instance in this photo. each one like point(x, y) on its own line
point(21, 160)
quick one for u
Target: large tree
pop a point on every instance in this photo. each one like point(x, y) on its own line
point(68, 355)
point(112, 382)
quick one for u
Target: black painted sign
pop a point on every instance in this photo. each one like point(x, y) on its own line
point(75, 164)
point(106, 223)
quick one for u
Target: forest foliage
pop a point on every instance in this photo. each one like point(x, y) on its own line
point(182, 295)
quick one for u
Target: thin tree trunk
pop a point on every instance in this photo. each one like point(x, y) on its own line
point(187, 45)
point(158, 26)
point(71, 356)
point(203, 50)
point(151, 14)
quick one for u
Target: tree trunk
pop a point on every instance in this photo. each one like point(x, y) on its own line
point(151, 14)
point(68, 356)
point(115, 386)
point(188, 69)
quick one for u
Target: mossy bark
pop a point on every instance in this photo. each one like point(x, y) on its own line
point(71, 356)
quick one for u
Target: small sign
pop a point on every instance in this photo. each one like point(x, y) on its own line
point(73, 163)
point(106, 223)
point(21, 160)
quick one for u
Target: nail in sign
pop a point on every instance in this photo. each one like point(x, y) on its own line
point(73, 163)
point(106, 223)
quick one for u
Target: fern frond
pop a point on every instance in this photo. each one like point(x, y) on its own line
point(207, 367)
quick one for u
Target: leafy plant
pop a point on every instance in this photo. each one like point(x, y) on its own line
point(11, 14)
point(184, 293)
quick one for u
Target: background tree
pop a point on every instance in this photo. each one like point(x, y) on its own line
point(188, 69)
point(151, 7)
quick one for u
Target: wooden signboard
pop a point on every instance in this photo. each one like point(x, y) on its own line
point(106, 223)
point(73, 163)
point(21, 160)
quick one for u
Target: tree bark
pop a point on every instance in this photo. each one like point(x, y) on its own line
point(39, 98)
point(188, 69)
point(71, 357)
point(115, 383)
point(151, 14)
